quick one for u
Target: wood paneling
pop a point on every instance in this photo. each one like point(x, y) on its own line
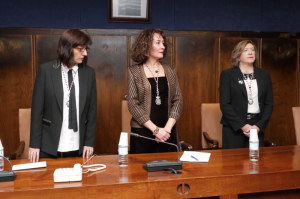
point(15, 85)
point(108, 56)
point(46, 46)
point(279, 57)
point(196, 69)
point(198, 57)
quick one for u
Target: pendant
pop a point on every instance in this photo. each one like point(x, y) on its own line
point(250, 101)
point(157, 100)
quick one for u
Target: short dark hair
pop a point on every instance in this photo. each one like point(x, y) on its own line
point(238, 49)
point(141, 46)
point(70, 39)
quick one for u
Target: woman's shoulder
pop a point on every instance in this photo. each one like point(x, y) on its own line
point(168, 67)
point(262, 72)
point(135, 67)
point(87, 68)
point(229, 70)
point(49, 65)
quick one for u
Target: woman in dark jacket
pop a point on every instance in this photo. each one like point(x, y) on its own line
point(246, 97)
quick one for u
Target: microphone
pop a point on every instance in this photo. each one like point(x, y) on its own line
point(161, 165)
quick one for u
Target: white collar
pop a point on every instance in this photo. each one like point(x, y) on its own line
point(66, 69)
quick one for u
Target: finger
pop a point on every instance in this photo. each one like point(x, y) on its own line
point(30, 157)
point(88, 153)
point(33, 157)
point(38, 155)
point(37, 158)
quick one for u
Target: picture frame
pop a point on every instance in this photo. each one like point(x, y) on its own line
point(134, 11)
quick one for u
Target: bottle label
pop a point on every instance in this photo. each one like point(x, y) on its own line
point(123, 150)
point(253, 146)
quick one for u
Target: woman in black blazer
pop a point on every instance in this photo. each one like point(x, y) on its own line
point(63, 114)
point(246, 97)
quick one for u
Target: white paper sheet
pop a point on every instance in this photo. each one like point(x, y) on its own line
point(193, 156)
point(29, 166)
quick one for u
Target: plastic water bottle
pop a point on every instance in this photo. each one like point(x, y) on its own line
point(123, 156)
point(1, 157)
point(253, 145)
point(123, 150)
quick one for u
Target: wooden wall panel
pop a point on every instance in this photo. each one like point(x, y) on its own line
point(45, 48)
point(15, 85)
point(196, 70)
point(108, 57)
point(279, 57)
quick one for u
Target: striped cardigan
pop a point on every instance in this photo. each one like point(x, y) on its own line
point(139, 95)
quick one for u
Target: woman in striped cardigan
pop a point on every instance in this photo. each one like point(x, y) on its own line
point(154, 97)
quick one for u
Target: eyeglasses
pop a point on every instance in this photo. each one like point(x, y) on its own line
point(82, 49)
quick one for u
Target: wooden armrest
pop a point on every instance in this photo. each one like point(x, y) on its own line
point(184, 146)
point(18, 152)
point(212, 144)
point(269, 143)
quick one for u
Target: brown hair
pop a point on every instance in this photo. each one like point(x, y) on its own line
point(141, 46)
point(70, 39)
point(238, 49)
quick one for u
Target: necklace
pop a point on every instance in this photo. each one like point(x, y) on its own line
point(157, 98)
point(248, 78)
point(67, 85)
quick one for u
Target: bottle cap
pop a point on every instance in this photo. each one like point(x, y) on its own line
point(253, 135)
point(123, 139)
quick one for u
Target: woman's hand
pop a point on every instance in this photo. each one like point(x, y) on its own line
point(162, 135)
point(87, 151)
point(246, 129)
point(34, 154)
point(256, 127)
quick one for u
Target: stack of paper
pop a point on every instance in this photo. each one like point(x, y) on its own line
point(29, 166)
point(193, 156)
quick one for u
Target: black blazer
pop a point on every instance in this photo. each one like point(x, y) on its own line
point(47, 107)
point(234, 100)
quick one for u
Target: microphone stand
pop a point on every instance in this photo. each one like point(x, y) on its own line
point(161, 165)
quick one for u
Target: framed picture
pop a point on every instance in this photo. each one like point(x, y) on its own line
point(135, 11)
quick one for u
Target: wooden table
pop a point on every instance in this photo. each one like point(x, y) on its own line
point(228, 173)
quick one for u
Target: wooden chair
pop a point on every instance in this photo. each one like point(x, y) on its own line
point(296, 116)
point(24, 133)
point(126, 117)
point(211, 128)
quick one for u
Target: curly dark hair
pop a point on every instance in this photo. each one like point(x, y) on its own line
point(140, 48)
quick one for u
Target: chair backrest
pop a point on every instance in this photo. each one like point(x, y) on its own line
point(296, 116)
point(211, 116)
point(24, 129)
point(126, 117)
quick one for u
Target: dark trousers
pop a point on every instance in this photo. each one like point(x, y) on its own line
point(60, 154)
point(236, 139)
